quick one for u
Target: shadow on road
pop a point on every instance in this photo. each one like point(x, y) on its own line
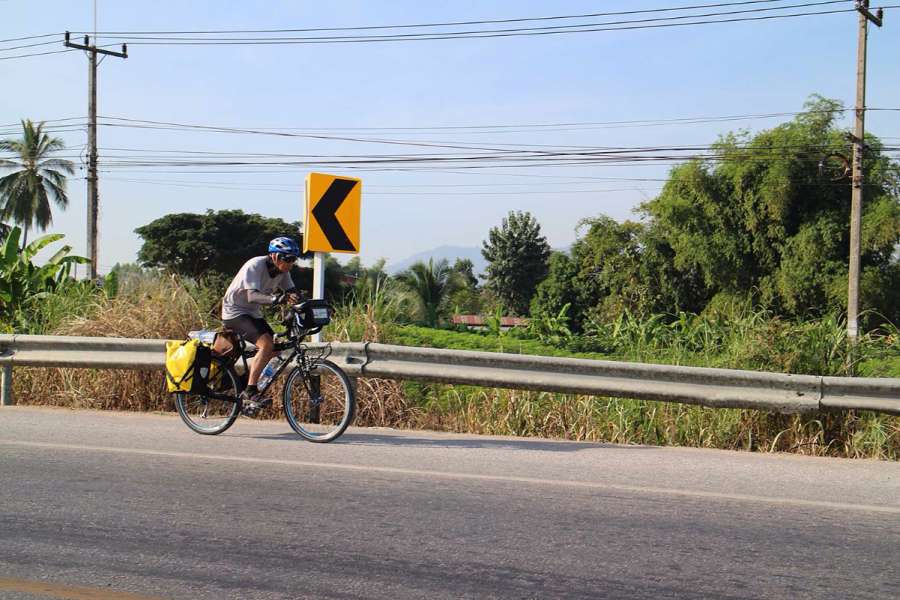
point(379, 439)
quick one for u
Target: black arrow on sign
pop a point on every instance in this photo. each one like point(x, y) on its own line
point(325, 210)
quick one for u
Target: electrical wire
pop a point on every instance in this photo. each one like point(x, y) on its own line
point(144, 39)
point(487, 128)
point(369, 192)
point(163, 125)
point(29, 45)
point(30, 37)
point(560, 28)
point(444, 24)
point(37, 54)
point(55, 52)
point(612, 26)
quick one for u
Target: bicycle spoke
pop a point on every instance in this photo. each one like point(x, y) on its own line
point(320, 406)
point(215, 412)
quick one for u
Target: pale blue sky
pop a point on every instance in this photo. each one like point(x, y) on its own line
point(715, 70)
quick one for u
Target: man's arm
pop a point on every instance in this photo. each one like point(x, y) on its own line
point(257, 297)
point(253, 281)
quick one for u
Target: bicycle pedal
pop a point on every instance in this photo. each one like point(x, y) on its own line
point(253, 408)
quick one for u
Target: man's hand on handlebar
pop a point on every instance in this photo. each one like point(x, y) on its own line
point(286, 298)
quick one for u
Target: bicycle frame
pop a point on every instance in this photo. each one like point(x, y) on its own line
point(296, 333)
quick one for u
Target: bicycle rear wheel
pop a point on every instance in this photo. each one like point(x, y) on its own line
point(321, 405)
point(212, 414)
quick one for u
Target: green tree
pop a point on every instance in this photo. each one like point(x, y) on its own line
point(614, 268)
point(759, 219)
point(37, 178)
point(517, 257)
point(561, 287)
point(214, 243)
point(466, 268)
point(432, 284)
point(466, 298)
point(362, 281)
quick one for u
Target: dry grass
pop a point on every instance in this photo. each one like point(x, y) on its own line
point(154, 309)
point(621, 421)
point(167, 309)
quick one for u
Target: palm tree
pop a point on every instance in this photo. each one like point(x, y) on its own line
point(25, 193)
point(431, 283)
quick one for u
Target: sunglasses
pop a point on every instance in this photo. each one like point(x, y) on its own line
point(288, 258)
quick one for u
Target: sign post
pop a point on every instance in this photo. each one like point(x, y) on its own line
point(331, 222)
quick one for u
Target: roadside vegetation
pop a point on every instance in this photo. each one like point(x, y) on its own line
point(149, 304)
point(739, 263)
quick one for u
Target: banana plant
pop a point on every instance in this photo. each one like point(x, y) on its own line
point(551, 329)
point(21, 280)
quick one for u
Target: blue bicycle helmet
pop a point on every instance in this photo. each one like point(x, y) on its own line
point(284, 245)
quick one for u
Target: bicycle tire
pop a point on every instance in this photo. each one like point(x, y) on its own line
point(337, 407)
point(225, 412)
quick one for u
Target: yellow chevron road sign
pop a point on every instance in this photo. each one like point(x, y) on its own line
point(332, 213)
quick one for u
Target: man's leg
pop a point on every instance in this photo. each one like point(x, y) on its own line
point(258, 332)
point(265, 350)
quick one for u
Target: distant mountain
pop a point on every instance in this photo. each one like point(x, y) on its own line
point(451, 253)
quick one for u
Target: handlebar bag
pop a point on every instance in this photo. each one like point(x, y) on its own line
point(314, 313)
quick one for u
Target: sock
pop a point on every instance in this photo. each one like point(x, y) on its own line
point(251, 389)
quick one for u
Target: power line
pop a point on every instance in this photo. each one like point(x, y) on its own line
point(34, 54)
point(653, 23)
point(162, 125)
point(609, 155)
point(52, 52)
point(426, 25)
point(444, 24)
point(561, 28)
point(30, 37)
point(297, 190)
point(489, 128)
point(29, 45)
point(45, 121)
point(481, 34)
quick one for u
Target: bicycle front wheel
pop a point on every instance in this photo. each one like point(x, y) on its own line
point(319, 405)
point(213, 413)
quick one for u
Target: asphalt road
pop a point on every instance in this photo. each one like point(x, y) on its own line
point(109, 506)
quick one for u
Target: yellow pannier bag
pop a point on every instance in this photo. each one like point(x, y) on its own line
point(188, 366)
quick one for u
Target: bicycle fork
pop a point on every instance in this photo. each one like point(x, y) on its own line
point(315, 397)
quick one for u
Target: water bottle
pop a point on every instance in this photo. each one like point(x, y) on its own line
point(269, 372)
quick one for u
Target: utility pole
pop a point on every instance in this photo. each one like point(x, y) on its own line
point(93, 192)
point(856, 198)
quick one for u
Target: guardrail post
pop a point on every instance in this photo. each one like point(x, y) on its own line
point(6, 387)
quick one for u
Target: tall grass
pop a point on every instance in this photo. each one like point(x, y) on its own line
point(162, 307)
point(151, 307)
point(574, 417)
point(370, 314)
point(369, 310)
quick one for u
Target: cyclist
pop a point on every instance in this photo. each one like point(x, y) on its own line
point(263, 280)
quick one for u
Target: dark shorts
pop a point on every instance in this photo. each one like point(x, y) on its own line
point(252, 328)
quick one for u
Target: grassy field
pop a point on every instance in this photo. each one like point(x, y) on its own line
point(876, 359)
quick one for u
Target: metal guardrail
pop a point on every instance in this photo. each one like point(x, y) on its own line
point(717, 388)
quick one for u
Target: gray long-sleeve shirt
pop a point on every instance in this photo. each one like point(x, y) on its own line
point(254, 275)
